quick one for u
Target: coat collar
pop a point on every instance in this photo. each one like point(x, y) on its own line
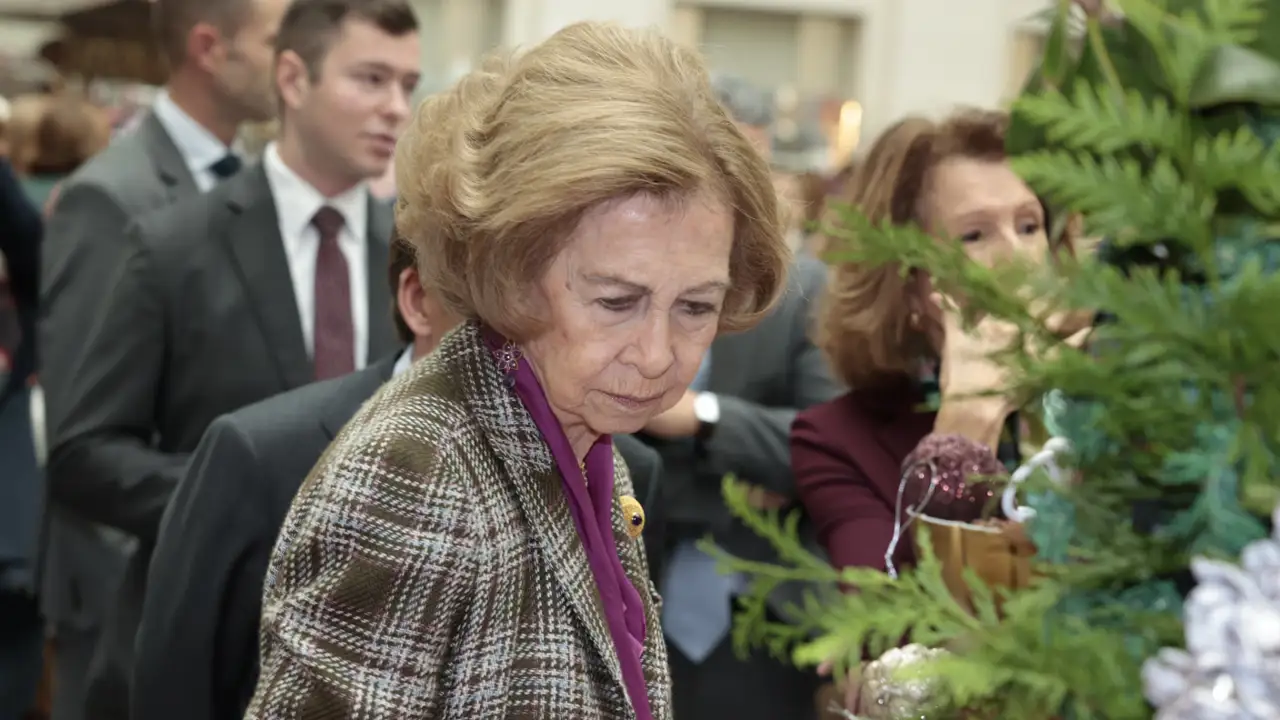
point(170, 165)
point(252, 235)
point(531, 471)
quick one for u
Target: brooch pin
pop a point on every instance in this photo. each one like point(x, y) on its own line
point(633, 515)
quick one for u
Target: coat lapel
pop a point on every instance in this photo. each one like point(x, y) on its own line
point(654, 659)
point(170, 165)
point(529, 466)
point(253, 238)
point(382, 335)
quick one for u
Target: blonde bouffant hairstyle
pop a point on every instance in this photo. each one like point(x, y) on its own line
point(494, 174)
point(866, 326)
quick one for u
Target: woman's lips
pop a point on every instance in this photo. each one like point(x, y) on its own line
point(633, 402)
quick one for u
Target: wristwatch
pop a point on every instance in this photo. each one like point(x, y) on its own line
point(706, 408)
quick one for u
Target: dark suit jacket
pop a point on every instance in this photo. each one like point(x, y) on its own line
point(202, 321)
point(762, 377)
point(847, 455)
point(21, 230)
point(20, 233)
point(81, 561)
point(198, 644)
point(646, 476)
point(197, 651)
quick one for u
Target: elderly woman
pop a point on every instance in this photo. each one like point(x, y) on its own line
point(897, 346)
point(467, 548)
point(886, 336)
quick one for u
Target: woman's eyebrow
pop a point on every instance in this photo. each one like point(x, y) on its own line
point(621, 282)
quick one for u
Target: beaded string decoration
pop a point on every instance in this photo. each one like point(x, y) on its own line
point(941, 483)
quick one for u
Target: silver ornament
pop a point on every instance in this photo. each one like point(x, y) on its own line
point(1231, 667)
point(887, 695)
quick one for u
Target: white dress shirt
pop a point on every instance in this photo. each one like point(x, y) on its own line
point(403, 362)
point(296, 204)
point(198, 147)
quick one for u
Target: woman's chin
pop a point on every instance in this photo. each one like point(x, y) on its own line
point(619, 425)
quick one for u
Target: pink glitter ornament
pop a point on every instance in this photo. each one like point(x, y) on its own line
point(950, 477)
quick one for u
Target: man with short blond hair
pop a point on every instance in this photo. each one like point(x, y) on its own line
point(220, 54)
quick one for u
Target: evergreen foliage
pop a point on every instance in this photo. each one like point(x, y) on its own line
point(1162, 132)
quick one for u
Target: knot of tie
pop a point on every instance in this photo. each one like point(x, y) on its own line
point(329, 222)
point(227, 166)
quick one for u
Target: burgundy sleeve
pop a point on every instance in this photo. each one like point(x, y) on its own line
point(854, 522)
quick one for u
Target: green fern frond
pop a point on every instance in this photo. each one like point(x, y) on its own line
point(1181, 43)
point(1233, 21)
point(1118, 198)
point(1241, 160)
point(1090, 121)
point(908, 247)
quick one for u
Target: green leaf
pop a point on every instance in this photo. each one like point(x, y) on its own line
point(1057, 64)
point(1090, 121)
point(1118, 198)
point(1235, 74)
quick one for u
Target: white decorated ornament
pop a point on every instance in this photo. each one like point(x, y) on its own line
point(1230, 669)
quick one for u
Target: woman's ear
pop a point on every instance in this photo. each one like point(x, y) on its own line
point(409, 301)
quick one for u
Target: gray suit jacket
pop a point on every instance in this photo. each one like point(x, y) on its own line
point(197, 647)
point(202, 321)
point(762, 377)
point(81, 562)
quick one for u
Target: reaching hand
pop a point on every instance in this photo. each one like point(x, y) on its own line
point(677, 422)
point(967, 364)
point(850, 688)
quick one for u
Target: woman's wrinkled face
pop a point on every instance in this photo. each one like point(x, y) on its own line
point(633, 302)
point(986, 206)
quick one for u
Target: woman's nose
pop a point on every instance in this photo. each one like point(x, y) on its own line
point(653, 351)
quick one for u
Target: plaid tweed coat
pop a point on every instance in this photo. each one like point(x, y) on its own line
point(430, 568)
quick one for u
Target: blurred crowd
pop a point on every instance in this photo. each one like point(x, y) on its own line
point(195, 304)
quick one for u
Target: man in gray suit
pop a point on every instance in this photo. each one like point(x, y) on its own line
point(197, 647)
point(736, 419)
point(220, 55)
point(265, 283)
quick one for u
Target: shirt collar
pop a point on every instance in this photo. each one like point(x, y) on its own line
point(297, 200)
point(199, 147)
point(403, 362)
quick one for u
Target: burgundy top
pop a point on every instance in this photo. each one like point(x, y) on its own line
point(591, 504)
point(846, 456)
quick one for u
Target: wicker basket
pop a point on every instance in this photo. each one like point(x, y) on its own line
point(1000, 555)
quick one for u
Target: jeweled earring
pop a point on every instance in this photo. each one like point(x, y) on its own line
point(508, 358)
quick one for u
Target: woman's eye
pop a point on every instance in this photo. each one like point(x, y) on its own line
point(616, 304)
point(697, 309)
point(1030, 228)
point(971, 236)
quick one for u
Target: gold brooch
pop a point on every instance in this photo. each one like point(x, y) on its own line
point(632, 515)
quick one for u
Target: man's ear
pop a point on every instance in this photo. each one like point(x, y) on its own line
point(205, 47)
point(293, 81)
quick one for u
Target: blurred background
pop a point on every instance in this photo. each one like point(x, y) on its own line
point(833, 71)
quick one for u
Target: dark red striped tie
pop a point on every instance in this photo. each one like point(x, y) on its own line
point(335, 334)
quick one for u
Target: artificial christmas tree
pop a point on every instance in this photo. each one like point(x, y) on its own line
point(1161, 133)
